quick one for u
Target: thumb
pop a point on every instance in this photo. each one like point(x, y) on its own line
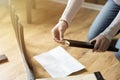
point(92, 41)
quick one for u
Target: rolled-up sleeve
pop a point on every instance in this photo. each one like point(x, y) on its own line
point(71, 9)
point(113, 28)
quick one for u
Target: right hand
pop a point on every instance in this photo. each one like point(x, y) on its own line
point(101, 43)
point(58, 31)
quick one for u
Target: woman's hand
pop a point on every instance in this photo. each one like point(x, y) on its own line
point(59, 30)
point(101, 43)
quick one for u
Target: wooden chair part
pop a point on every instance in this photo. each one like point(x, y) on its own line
point(28, 11)
point(29, 71)
point(18, 28)
point(29, 5)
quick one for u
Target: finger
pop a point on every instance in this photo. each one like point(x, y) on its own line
point(101, 47)
point(55, 36)
point(93, 42)
point(104, 46)
point(61, 35)
point(96, 46)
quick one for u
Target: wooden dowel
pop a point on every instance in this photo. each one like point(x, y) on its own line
point(88, 45)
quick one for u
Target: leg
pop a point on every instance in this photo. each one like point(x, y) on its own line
point(104, 18)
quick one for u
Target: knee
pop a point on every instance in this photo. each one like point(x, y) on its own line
point(90, 36)
point(92, 33)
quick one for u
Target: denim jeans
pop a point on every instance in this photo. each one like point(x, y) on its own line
point(103, 20)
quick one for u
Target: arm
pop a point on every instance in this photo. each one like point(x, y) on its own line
point(113, 28)
point(103, 40)
point(71, 9)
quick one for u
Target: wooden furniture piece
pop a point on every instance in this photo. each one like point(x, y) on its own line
point(29, 5)
point(18, 28)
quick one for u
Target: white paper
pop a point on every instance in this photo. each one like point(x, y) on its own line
point(58, 62)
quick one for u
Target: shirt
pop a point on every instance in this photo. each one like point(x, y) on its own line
point(73, 7)
point(117, 2)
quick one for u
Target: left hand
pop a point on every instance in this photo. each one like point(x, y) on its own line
point(101, 43)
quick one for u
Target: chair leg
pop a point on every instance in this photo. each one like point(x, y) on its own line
point(29, 11)
point(26, 62)
point(18, 28)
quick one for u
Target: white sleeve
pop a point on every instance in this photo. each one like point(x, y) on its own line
point(71, 9)
point(113, 28)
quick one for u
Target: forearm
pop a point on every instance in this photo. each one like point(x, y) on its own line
point(71, 9)
point(113, 28)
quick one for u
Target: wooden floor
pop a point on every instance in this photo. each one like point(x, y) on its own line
point(38, 39)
